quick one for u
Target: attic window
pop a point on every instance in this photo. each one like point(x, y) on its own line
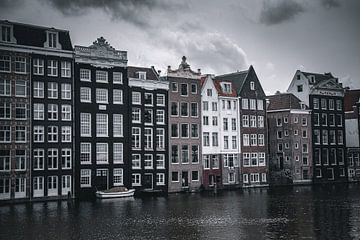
point(142, 75)
point(52, 40)
point(226, 87)
point(252, 85)
point(312, 79)
point(5, 33)
point(300, 88)
point(298, 77)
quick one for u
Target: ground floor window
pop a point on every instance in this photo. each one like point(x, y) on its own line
point(195, 176)
point(4, 188)
point(20, 187)
point(38, 186)
point(175, 176)
point(52, 185)
point(245, 178)
point(231, 177)
point(263, 177)
point(318, 173)
point(254, 178)
point(136, 179)
point(85, 178)
point(160, 179)
point(118, 176)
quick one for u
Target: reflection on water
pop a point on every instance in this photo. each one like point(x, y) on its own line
point(282, 213)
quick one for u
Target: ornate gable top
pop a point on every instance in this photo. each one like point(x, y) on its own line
point(183, 71)
point(101, 42)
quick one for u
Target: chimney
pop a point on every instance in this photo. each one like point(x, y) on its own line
point(199, 71)
point(169, 68)
point(159, 72)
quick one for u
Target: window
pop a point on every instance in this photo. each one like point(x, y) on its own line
point(5, 63)
point(304, 121)
point(101, 76)
point(20, 133)
point(325, 136)
point(38, 159)
point(85, 178)
point(323, 104)
point(135, 137)
point(5, 110)
point(160, 161)
point(299, 88)
point(225, 124)
point(183, 89)
point(246, 140)
point(66, 69)
point(52, 68)
point(260, 121)
point(261, 156)
point(214, 121)
point(117, 77)
point(331, 104)
point(184, 109)
point(253, 140)
point(194, 175)
point(261, 140)
point(102, 95)
point(332, 120)
point(215, 141)
point(136, 179)
point(85, 153)
point(66, 134)
point(254, 159)
point(53, 90)
point(304, 133)
point(174, 154)
point(205, 106)
point(20, 64)
point(253, 104)
point(316, 103)
point(4, 160)
point(142, 75)
point(101, 153)
point(101, 125)
point(226, 87)
point(174, 87)
point(206, 161)
point(38, 133)
point(85, 94)
point(194, 130)
point(194, 153)
point(118, 153)
point(66, 112)
point(66, 91)
point(148, 116)
point(214, 106)
point(20, 111)
point(160, 100)
point(136, 115)
point(174, 109)
point(148, 135)
point(135, 161)
point(205, 120)
point(185, 154)
point(338, 105)
point(5, 33)
point(206, 139)
point(193, 88)
point(160, 116)
point(66, 158)
point(38, 89)
point(52, 134)
point(118, 125)
point(20, 160)
point(253, 121)
point(340, 137)
point(209, 92)
point(160, 179)
point(20, 88)
point(233, 124)
point(260, 104)
point(52, 39)
point(245, 178)
point(226, 142)
point(184, 130)
point(305, 148)
point(148, 161)
point(339, 119)
point(118, 177)
point(85, 75)
point(85, 124)
point(38, 111)
point(245, 120)
point(234, 142)
point(148, 99)
point(5, 87)
point(252, 85)
point(174, 130)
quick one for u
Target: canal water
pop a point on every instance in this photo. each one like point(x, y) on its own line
point(330, 212)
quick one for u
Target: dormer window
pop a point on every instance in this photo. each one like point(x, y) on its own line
point(312, 79)
point(52, 40)
point(252, 85)
point(5, 33)
point(298, 77)
point(142, 75)
point(226, 87)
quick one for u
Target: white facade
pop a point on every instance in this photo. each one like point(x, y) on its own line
point(300, 87)
point(352, 133)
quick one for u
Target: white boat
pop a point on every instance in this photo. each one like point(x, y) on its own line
point(116, 192)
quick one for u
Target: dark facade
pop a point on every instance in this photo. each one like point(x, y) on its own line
point(289, 131)
point(101, 86)
point(325, 97)
point(148, 128)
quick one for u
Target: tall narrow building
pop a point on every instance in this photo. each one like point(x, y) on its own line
point(185, 169)
point(253, 127)
point(148, 128)
point(289, 131)
point(325, 97)
point(101, 114)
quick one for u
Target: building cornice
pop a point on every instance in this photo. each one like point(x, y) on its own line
point(148, 84)
point(36, 50)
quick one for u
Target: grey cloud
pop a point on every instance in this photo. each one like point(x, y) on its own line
point(330, 3)
point(9, 4)
point(137, 12)
point(278, 11)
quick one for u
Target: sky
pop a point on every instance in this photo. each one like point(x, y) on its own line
point(277, 37)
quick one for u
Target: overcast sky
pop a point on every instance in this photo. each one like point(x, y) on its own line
point(276, 36)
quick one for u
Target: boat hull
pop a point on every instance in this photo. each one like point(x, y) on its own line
point(102, 195)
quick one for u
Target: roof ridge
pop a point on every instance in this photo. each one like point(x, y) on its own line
point(33, 25)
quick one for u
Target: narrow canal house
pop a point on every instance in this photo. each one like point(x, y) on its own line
point(101, 111)
point(210, 133)
point(185, 168)
point(253, 127)
point(289, 131)
point(148, 128)
point(325, 97)
point(15, 77)
point(352, 132)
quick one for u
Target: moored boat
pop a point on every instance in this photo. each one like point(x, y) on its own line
point(115, 192)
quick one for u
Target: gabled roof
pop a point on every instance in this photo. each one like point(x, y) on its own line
point(217, 84)
point(318, 76)
point(283, 101)
point(35, 36)
point(237, 79)
point(151, 73)
point(350, 99)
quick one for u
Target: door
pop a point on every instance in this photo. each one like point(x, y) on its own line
point(211, 180)
point(101, 180)
point(184, 179)
point(65, 184)
point(148, 181)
